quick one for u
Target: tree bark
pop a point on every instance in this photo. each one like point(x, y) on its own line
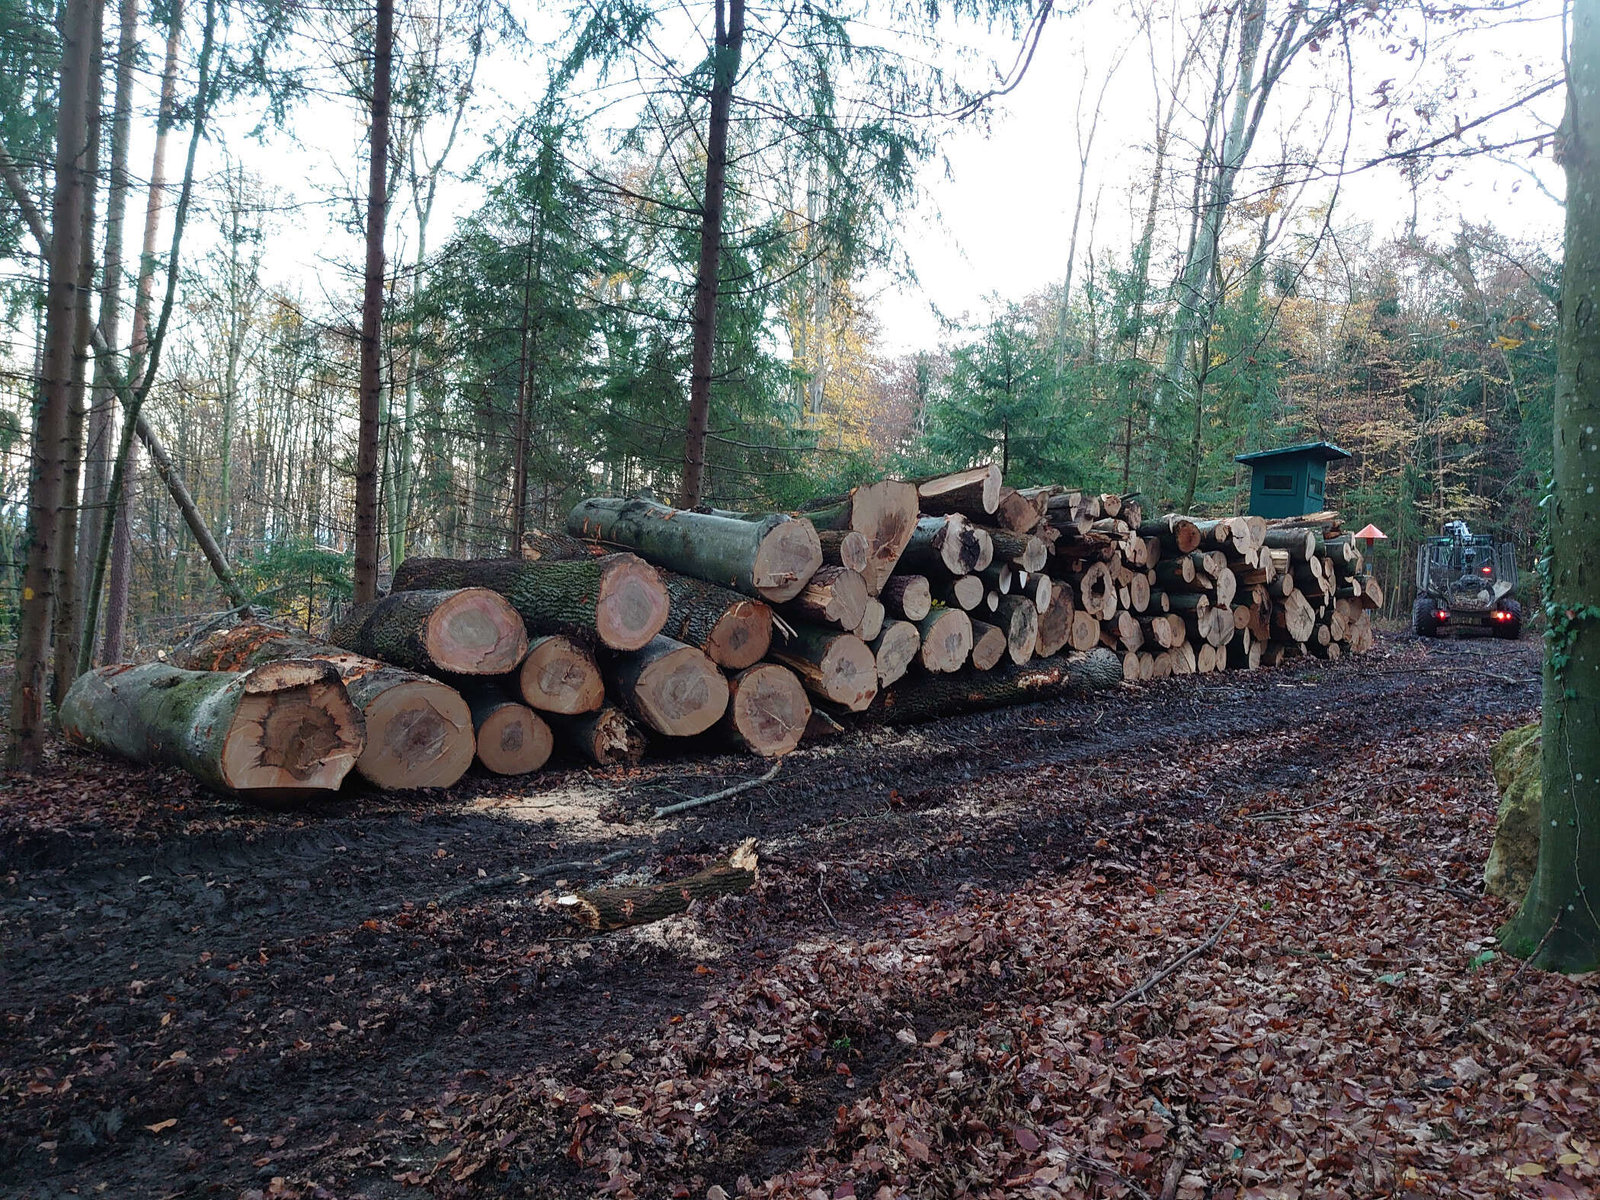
point(469, 631)
point(770, 557)
point(365, 573)
point(734, 630)
point(619, 599)
point(280, 732)
point(973, 493)
point(1558, 926)
point(419, 731)
point(726, 50)
point(947, 546)
point(45, 496)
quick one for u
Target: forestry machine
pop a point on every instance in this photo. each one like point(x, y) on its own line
point(1465, 584)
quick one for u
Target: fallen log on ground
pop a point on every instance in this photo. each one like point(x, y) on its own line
point(419, 731)
point(619, 599)
point(1042, 679)
point(603, 909)
point(770, 556)
point(281, 732)
point(467, 631)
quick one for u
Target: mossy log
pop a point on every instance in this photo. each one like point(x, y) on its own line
point(1177, 534)
point(419, 730)
point(466, 631)
point(925, 698)
point(770, 557)
point(619, 599)
point(281, 732)
point(734, 630)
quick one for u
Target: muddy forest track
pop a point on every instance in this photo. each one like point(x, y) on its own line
point(275, 984)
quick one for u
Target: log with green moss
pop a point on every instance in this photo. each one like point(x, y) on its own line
point(619, 599)
point(280, 732)
point(771, 557)
point(465, 631)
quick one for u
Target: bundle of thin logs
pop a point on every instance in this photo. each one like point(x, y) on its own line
point(898, 602)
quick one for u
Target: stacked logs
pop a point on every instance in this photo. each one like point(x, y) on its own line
point(900, 601)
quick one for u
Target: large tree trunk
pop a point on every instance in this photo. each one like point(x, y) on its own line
point(1558, 925)
point(1007, 684)
point(619, 599)
point(767, 709)
point(280, 732)
point(469, 631)
point(674, 689)
point(725, 52)
point(419, 731)
point(366, 540)
point(45, 498)
point(771, 557)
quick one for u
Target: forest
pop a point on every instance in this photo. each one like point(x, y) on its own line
point(530, 325)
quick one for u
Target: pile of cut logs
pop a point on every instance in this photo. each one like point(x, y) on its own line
point(896, 603)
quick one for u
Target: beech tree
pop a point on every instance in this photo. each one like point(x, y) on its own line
point(1558, 926)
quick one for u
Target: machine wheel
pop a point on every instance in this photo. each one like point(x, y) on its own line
point(1423, 622)
point(1512, 629)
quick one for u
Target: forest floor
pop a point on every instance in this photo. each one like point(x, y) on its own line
point(933, 990)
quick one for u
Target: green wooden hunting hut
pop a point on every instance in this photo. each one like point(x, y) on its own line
point(1290, 482)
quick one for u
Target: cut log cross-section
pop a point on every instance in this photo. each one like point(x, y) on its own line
point(278, 733)
point(1018, 616)
point(1055, 623)
point(767, 709)
point(838, 667)
point(946, 639)
point(894, 650)
point(885, 513)
point(988, 645)
point(871, 621)
point(560, 675)
point(770, 557)
point(733, 629)
point(673, 688)
point(845, 548)
point(468, 631)
point(948, 546)
point(907, 596)
point(619, 599)
point(605, 737)
point(512, 738)
point(832, 596)
point(419, 731)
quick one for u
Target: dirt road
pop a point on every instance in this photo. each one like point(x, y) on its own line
point(202, 1000)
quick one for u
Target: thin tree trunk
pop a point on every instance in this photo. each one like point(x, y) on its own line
point(725, 73)
point(45, 497)
point(1558, 925)
point(121, 566)
point(68, 614)
point(102, 406)
point(366, 547)
point(519, 474)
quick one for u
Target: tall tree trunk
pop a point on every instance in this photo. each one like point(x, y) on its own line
point(102, 406)
point(1558, 924)
point(68, 614)
point(26, 741)
point(366, 548)
point(727, 49)
point(121, 566)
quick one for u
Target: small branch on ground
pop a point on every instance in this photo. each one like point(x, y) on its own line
point(1211, 941)
point(667, 810)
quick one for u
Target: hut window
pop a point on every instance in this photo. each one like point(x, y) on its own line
point(1278, 483)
